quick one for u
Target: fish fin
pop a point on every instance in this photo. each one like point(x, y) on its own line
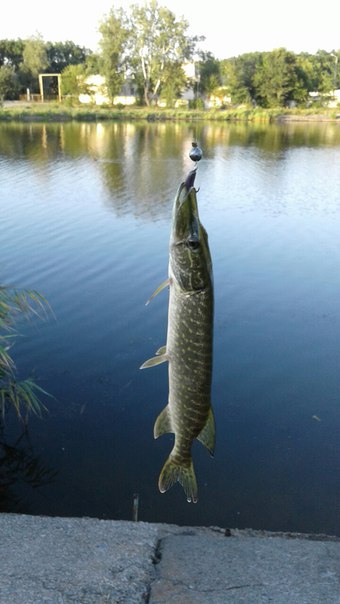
point(159, 289)
point(207, 435)
point(154, 361)
point(163, 423)
point(185, 475)
point(161, 350)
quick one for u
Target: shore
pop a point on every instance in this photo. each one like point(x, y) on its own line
point(53, 112)
point(90, 561)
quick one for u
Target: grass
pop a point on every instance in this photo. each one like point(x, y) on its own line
point(20, 395)
point(55, 112)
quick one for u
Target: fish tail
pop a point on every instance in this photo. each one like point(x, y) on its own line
point(174, 471)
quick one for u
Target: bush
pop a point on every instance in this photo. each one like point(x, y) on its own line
point(196, 104)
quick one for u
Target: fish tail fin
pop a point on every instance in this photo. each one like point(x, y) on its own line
point(185, 474)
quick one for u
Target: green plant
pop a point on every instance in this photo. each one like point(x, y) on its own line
point(22, 395)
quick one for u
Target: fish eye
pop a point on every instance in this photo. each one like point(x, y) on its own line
point(193, 244)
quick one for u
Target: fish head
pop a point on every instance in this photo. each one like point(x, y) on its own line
point(190, 261)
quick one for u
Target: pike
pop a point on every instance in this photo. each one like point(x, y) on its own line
point(188, 414)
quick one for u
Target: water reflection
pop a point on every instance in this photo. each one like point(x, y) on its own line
point(19, 465)
point(85, 212)
point(138, 163)
point(120, 141)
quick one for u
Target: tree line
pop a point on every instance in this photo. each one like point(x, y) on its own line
point(148, 46)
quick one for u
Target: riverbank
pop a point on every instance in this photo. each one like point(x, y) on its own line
point(54, 112)
point(91, 561)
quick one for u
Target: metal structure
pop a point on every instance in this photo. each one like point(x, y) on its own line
point(41, 84)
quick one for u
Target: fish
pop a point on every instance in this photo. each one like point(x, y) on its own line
point(189, 345)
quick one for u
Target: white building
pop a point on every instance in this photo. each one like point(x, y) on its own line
point(97, 93)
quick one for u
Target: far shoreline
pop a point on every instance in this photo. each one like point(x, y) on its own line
point(19, 111)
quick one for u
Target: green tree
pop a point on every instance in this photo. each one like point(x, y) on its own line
point(11, 53)
point(61, 54)
point(157, 40)
point(174, 83)
point(73, 80)
point(238, 75)
point(8, 83)
point(35, 61)
point(325, 71)
point(114, 32)
point(276, 79)
point(209, 74)
point(147, 44)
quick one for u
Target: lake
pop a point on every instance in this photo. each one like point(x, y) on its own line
point(85, 220)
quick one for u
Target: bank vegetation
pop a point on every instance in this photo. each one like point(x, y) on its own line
point(148, 52)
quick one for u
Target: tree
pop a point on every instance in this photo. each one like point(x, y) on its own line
point(209, 74)
point(157, 40)
point(61, 54)
point(11, 53)
point(34, 60)
point(275, 78)
point(115, 33)
point(174, 83)
point(35, 55)
point(8, 83)
point(238, 75)
point(73, 80)
point(148, 45)
point(325, 72)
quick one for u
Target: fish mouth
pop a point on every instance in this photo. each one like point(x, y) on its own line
point(185, 218)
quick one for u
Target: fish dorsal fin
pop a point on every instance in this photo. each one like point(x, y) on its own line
point(157, 360)
point(207, 435)
point(163, 423)
point(159, 289)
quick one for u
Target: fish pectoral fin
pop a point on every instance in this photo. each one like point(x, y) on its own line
point(159, 289)
point(161, 351)
point(207, 434)
point(163, 423)
point(154, 361)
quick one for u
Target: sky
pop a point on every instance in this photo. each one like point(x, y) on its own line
point(230, 28)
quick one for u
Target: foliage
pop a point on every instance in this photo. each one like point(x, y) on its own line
point(8, 82)
point(238, 76)
point(148, 44)
point(174, 83)
point(62, 54)
point(147, 47)
point(209, 74)
point(35, 55)
point(157, 41)
point(73, 80)
point(279, 77)
point(28, 58)
point(115, 32)
point(275, 78)
point(22, 395)
point(11, 53)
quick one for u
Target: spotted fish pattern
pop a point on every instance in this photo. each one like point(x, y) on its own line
point(188, 414)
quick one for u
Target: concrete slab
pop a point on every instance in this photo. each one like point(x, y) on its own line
point(245, 570)
point(78, 561)
point(89, 561)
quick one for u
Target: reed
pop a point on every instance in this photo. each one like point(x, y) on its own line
point(21, 395)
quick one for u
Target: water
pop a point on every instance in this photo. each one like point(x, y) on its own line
point(85, 219)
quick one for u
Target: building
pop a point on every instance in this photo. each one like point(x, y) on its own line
point(97, 93)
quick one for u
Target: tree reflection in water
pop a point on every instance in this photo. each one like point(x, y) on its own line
point(20, 465)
